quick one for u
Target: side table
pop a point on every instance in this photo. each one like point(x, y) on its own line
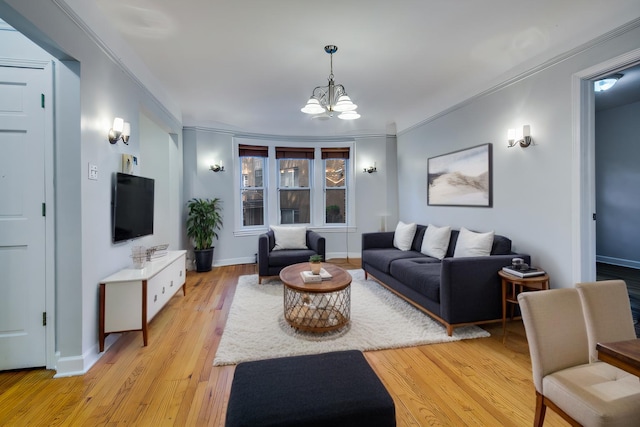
point(512, 286)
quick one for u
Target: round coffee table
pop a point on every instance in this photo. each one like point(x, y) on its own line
point(316, 307)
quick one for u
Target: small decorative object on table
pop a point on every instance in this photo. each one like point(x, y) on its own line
point(521, 269)
point(315, 262)
point(139, 256)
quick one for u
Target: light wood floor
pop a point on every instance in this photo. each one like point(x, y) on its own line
point(172, 381)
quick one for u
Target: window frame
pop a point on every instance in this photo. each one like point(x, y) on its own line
point(317, 183)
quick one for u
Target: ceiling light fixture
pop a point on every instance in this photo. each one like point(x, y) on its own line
point(606, 83)
point(325, 100)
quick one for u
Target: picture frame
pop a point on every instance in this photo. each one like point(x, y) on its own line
point(461, 178)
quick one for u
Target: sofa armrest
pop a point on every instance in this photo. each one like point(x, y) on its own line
point(470, 288)
point(317, 243)
point(381, 239)
point(263, 255)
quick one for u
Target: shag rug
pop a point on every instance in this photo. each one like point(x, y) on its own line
point(256, 328)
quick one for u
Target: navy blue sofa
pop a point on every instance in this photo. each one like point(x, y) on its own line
point(454, 291)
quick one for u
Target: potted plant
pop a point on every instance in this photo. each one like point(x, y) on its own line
point(315, 262)
point(203, 220)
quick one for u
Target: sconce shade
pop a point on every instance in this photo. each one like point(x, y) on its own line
point(118, 124)
point(126, 132)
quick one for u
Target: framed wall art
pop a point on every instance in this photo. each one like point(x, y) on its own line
point(461, 178)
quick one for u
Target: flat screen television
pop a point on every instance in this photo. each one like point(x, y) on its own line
point(132, 207)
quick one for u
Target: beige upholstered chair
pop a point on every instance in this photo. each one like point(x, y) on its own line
point(583, 393)
point(607, 313)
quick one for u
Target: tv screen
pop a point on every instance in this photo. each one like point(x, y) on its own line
point(132, 207)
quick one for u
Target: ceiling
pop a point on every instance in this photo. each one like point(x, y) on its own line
point(250, 65)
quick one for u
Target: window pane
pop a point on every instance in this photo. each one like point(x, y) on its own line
point(294, 207)
point(252, 171)
point(336, 202)
point(294, 173)
point(252, 207)
point(335, 173)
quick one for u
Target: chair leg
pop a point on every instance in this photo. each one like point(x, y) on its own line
point(541, 409)
point(259, 280)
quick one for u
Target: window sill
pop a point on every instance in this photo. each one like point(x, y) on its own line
point(322, 229)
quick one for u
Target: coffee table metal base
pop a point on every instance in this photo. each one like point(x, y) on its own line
point(317, 312)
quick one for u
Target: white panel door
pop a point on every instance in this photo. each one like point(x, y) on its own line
point(22, 224)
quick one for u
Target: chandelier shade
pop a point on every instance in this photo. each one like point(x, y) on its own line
point(325, 100)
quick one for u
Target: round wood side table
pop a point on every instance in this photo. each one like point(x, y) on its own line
point(512, 286)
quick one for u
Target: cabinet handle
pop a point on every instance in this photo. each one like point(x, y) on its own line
point(180, 273)
point(155, 298)
point(163, 289)
point(171, 285)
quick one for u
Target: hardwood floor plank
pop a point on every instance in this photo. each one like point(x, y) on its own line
point(172, 381)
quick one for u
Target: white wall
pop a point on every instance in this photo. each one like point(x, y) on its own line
point(85, 110)
point(375, 194)
point(532, 187)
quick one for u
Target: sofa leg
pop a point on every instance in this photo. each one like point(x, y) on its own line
point(449, 330)
point(366, 275)
point(259, 280)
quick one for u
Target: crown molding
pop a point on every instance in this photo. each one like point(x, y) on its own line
point(292, 138)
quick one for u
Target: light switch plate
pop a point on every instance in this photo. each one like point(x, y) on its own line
point(93, 172)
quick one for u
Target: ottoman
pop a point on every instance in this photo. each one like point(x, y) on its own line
point(330, 389)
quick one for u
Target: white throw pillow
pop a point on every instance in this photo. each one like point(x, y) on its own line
point(289, 237)
point(403, 237)
point(435, 241)
point(473, 244)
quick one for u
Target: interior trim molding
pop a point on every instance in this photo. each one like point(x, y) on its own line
point(545, 65)
point(291, 138)
point(618, 261)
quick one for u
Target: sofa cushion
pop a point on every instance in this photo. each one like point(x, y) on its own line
point(288, 257)
point(436, 241)
point(403, 237)
point(420, 274)
point(381, 258)
point(289, 237)
point(473, 244)
point(501, 245)
point(417, 240)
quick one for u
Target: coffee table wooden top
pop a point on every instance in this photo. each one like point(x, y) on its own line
point(290, 276)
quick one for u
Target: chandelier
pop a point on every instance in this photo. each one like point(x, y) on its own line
point(325, 100)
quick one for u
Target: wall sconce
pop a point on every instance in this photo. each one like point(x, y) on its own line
point(524, 142)
point(371, 169)
point(119, 130)
point(217, 167)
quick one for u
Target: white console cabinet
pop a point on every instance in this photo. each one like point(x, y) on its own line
point(131, 297)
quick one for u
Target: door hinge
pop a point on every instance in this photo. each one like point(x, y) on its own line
point(42, 100)
point(44, 209)
point(44, 318)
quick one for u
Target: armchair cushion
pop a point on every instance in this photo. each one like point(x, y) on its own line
point(289, 237)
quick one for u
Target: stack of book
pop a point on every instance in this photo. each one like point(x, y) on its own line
point(523, 272)
point(309, 277)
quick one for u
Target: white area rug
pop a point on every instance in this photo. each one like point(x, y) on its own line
point(256, 328)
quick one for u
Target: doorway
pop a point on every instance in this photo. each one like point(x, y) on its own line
point(617, 182)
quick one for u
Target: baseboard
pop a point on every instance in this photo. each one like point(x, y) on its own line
point(618, 261)
point(79, 365)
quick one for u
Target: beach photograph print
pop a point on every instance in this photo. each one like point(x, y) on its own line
point(461, 178)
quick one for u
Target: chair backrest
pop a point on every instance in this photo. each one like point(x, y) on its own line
point(607, 312)
point(556, 331)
